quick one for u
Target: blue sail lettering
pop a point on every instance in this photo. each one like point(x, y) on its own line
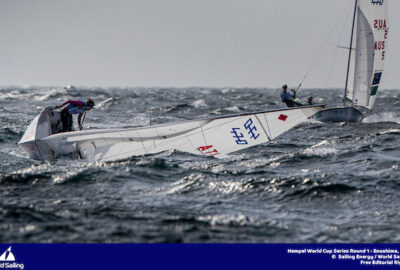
point(377, 2)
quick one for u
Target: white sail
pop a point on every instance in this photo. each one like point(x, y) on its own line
point(370, 50)
point(380, 27)
point(211, 137)
point(364, 61)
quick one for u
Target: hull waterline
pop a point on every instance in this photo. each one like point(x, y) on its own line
point(339, 114)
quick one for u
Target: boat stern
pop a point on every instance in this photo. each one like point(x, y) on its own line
point(31, 143)
point(339, 114)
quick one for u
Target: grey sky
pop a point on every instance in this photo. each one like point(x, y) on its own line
point(178, 42)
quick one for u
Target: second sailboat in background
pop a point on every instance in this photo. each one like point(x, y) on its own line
point(366, 61)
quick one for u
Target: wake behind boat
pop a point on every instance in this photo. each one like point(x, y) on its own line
point(365, 65)
point(217, 136)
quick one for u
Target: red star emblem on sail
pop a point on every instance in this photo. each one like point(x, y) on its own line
point(283, 117)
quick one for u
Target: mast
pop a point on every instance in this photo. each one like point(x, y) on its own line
point(350, 49)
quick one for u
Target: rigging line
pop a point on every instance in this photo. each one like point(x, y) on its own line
point(204, 137)
point(158, 134)
point(265, 131)
point(351, 44)
point(83, 120)
point(144, 148)
point(142, 141)
point(322, 47)
point(336, 50)
point(121, 146)
point(187, 137)
point(270, 134)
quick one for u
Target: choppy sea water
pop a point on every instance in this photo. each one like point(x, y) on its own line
point(316, 183)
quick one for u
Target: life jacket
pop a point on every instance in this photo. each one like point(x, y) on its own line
point(285, 96)
point(76, 106)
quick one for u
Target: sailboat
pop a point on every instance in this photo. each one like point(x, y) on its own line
point(369, 34)
point(215, 136)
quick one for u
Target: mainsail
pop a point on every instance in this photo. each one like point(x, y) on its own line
point(210, 137)
point(371, 34)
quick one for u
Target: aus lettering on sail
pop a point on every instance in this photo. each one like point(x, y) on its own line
point(379, 45)
point(380, 24)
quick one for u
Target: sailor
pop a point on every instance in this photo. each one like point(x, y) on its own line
point(74, 107)
point(287, 97)
point(310, 100)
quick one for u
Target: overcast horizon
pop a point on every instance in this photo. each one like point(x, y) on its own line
point(180, 43)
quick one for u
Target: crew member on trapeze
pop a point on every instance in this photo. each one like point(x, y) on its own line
point(290, 98)
point(74, 107)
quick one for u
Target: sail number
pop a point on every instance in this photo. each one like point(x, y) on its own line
point(377, 2)
point(380, 24)
point(208, 150)
point(251, 129)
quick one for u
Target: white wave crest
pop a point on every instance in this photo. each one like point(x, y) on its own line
point(233, 109)
point(390, 131)
point(225, 219)
point(383, 117)
point(229, 187)
point(320, 151)
point(200, 103)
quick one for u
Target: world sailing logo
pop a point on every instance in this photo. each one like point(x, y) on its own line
point(8, 257)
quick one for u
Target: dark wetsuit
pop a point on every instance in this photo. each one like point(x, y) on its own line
point(74, 107)
point(289, 99)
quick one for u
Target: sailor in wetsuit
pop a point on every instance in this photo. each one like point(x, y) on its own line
point(287, 97)
point(290, 98)
point(74, 107)
point(310, 100)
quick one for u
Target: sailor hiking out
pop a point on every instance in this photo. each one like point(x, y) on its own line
point(290, 98)
point(310, 100)
point(74, 107)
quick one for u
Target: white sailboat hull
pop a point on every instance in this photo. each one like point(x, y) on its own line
point(39, 128)
point(216, 136)
point(339, 114)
